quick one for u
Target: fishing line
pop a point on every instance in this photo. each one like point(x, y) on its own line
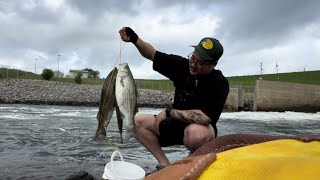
point(120, 53)
point(115, 148)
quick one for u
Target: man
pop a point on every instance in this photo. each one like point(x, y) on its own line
point(200, 95)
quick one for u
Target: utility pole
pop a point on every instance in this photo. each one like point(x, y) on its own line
point(277, 69)
point(58, 65)
point(261, 71)
point(35, 66)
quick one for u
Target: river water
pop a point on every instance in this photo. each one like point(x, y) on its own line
point(52, 142)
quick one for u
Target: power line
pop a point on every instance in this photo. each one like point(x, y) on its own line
point(261, 71)
point(277, 69)
point(35, 66)
point(58, 65)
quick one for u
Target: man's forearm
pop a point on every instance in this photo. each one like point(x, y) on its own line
point(190, 116)
point(145, 49)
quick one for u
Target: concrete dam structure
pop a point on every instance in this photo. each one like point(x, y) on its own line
point(276, 96)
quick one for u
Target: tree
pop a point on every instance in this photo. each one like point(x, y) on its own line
point(78, 78)
point(47, 74)
point(95, 74)
point(92, 73)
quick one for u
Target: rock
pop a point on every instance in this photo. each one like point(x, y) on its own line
point(22, 91)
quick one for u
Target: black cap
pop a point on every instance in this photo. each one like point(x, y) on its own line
point(209, 49)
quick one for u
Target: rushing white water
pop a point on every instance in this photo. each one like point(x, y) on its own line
point(52, 142)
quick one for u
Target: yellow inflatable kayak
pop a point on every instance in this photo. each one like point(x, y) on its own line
point(279, 159)
point(276, 159)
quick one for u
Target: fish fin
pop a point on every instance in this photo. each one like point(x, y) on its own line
point(129, 134)
point(119, 120)
point(100, 133)
point(109, 116)
point(137, 95)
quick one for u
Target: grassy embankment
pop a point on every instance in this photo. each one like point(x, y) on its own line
point(307, 77)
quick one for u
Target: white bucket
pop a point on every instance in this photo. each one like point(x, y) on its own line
point(120, 170)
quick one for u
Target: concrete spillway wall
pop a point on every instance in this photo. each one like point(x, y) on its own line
point(234, 99)
point(283, 96)
point(275, 96)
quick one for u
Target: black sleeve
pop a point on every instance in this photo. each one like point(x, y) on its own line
point(169, 65)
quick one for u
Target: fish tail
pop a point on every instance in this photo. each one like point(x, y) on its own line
point(121, 139)
point(129, 134)
point(100, 134)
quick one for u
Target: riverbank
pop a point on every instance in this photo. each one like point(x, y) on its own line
point(39, 92)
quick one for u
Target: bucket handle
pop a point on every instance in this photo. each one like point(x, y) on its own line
point(113, 155)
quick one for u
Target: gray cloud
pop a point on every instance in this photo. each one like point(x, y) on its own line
point(35, 12)
point(95, 8)
point(267, 22)
point(85, 32)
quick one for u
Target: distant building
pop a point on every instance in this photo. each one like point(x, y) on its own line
point(58, 74)
point(73, 73)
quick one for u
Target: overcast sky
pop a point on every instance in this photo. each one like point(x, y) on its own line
point(85, 33)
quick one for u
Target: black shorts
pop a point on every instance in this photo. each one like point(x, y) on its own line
point(171, 132)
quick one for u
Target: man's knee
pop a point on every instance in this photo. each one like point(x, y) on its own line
point(144, 121)
point(194, 133)
point(139, 120)
point(197, 135)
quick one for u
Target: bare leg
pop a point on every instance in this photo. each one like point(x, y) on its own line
point(147, 134)
point(196, 135)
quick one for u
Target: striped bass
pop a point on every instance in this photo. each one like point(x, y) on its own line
point(107, 105)
point(126, 97)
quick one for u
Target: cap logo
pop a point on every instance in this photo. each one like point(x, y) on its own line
point(208, 44)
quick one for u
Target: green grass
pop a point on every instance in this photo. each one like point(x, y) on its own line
point(162, 85)
point(307, 77)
